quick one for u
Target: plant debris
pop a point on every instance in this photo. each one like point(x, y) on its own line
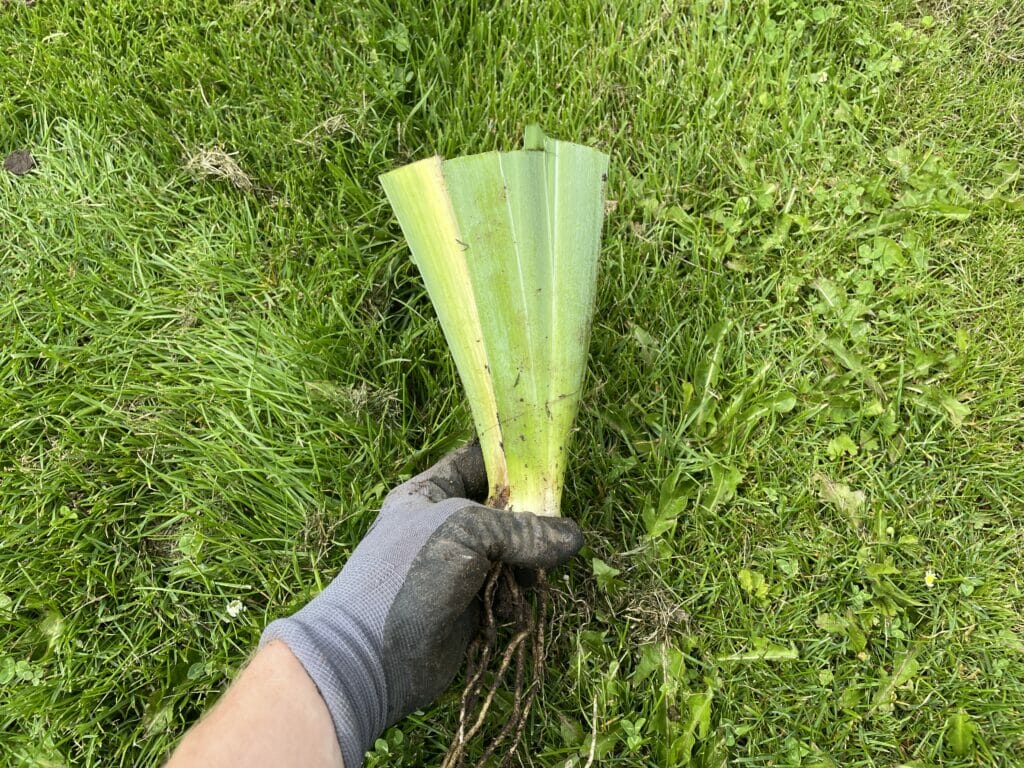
point(215, 163)
point(19, 162)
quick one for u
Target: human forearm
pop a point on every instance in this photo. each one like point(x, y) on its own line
point(272, 715)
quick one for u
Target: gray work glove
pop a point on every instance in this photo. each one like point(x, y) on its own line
point(389, 633)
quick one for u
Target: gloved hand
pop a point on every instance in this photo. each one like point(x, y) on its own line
point(389, 633)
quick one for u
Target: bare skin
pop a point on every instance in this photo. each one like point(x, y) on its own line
point(271, 716)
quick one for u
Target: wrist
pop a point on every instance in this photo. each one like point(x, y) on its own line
point(342, 656)
point(271, 715)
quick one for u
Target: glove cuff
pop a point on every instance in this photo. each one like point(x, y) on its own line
point(343, 659)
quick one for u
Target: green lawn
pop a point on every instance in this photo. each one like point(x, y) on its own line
point(800, 455)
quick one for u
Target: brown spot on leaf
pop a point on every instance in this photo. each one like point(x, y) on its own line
point(500, 498)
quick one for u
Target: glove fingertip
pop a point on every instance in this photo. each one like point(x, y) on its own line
point(569, 538)
point(555, 539)
point(469, 461)
point(517, 538)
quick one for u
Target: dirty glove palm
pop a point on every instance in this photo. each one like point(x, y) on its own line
point(389, 633)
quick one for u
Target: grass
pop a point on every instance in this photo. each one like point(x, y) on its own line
point(806, 379)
